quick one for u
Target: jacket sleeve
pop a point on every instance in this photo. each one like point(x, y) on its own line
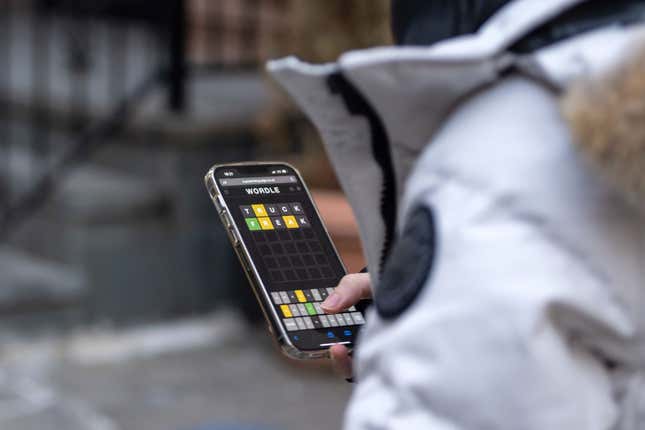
point(493, 343)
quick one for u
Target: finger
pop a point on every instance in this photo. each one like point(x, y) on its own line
point(349, 291)
point(341, 361)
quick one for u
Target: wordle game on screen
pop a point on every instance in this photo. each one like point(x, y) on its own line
point(292, 252)
point(274, 217)
point(290, 249)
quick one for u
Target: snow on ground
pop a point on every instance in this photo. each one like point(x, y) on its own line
point(181, 375)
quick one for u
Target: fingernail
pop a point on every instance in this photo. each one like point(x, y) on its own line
point(331, 301)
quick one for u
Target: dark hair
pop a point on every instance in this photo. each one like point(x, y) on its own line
point(424, 22)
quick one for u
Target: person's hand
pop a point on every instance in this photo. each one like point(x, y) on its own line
point(349, 291)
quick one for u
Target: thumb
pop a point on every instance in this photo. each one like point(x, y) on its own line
point(349, 291)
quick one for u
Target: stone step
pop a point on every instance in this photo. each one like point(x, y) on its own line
point(95, 194)
point(219, 104)
point(114, 228)
point(22, 161)
point(88, 195)
point(31, 284)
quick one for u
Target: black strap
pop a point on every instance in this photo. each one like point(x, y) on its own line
point(357, 104)
point(587, 16)
point(424, 22)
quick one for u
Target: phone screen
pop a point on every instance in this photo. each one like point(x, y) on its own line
point(290, 250)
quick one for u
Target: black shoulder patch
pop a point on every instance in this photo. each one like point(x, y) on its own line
point(408, 266)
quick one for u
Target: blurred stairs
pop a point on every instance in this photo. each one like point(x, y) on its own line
point(36, 292)
point(132, 228)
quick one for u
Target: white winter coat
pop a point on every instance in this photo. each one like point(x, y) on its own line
point(532, 314)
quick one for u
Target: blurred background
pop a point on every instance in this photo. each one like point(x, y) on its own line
point(122, 305)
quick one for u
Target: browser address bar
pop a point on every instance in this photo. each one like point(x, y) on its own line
point(258, 180)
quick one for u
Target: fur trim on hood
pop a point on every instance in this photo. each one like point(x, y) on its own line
point(607, 117)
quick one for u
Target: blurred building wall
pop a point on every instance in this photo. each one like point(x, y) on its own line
point(245, 31)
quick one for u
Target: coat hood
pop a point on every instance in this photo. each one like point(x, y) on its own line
point(607, 117)
point(392, 101)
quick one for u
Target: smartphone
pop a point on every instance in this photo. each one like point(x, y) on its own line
point(287, 254)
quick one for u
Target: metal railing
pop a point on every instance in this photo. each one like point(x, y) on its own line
point(85, 67)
